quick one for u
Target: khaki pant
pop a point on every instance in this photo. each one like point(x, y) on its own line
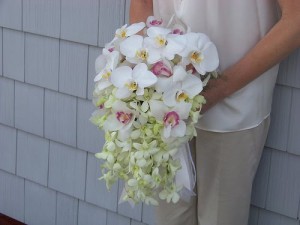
point(226, 164)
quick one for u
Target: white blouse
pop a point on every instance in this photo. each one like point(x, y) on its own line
point(235, 26)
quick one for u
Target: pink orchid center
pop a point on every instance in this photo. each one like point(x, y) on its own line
point(156, 22)
point(160, 68)
point(123, 117)
point(177, 31)
point(171, 118)
point(111, 49)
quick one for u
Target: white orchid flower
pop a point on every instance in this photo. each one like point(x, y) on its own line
point(121, 118)
point(136, 51)
point(165, 42)
point(128, 80)
point(105, 64)
point(180, 86)
point(200, 52)
point(125, 31)
point(172, 118)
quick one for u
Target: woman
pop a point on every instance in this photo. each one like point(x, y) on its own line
point(251, 41)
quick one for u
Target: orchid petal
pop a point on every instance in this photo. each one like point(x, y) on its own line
point(112, 124)
point(163, 84)
point(167, 131)
point(176, 43)
point(192, 86)
point(154, 56)
point(211, 59)
point(123, 92)
point(100, 63)
point(158, 109)
point(103, 84)
point(143, 76)
point(183, 109)
point(179, 130)
point(131, 45)
point(155, 31)
point(179, 73)
point(135, 28)
point(121, 76)
point(169, 97)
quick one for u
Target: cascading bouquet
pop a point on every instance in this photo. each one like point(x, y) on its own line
point(148, 103)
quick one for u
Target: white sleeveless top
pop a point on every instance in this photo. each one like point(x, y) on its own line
point(235, 26)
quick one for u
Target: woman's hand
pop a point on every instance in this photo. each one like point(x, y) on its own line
point(278, 43)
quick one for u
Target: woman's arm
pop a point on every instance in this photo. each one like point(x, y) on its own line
point(279, 42)
point(140, 10)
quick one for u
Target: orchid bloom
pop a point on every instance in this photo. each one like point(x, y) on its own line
point(164, 41)
point(172, 118)
point(180, 86)
point(128, 80)
point(200, 52)
point(125, 31)
point(153, 22)
point(121, 118)
point(105, 64)
point(136, 51)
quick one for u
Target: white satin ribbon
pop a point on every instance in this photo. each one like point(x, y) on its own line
point(186, 176)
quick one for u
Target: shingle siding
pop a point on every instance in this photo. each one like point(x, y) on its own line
point(66, 210)
point(40, 204)
point(290, 70)
point(73, 68)
point(42, 17)
point(8, 148)
point(12, 195)
point(284, 184)
point(280, 118)
point(79, 20)
point(60, 117)
point(270, 218)
point(42, 61)
point(260, 183)
point(7, 101)
point(67, 169)
point(13, 54)
point(90, 214)
point(294, 131)
point(89, 137)
point(113, 9)
point(29, 108)
point(11, 14)
point(32, 157)
point(1, 52)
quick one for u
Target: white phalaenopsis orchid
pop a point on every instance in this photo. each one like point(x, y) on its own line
point(165, 42)
point(179, 87)
point(128, 80)
point(172, 118)
point(127, 31)
point(136, 51)
point(200, 52)
point(121, 118)
point(105, 64)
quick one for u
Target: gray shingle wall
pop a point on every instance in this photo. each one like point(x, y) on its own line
point(48, 172)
